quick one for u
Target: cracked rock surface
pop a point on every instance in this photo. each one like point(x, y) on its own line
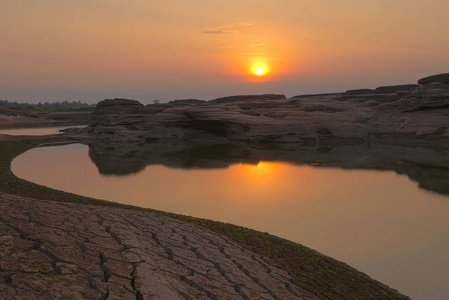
point(53, 250)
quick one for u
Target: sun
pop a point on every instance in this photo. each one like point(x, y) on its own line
point(259, 68)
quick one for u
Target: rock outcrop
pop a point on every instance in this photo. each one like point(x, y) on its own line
point(21, 117)
point(248, 120)
point(231, 99)
point(435, 78)
point(407, 114)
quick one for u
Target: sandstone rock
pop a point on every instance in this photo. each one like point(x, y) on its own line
point(396, 88)
point(434, 78)
point(323, 108)
point(248, 97)
point(381, 98)
point(315, 95)
point(410, 114)
point(360, 91)
point(431, 96)
point(118, 106)
point(262, 120)
point(25, 118)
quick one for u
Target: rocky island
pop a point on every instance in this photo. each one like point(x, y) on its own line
point(63, 246)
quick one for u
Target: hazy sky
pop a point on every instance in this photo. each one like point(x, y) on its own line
point(90, 50)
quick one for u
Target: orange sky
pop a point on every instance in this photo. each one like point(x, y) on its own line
point(91, 50)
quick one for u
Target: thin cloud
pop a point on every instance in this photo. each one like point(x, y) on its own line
point(226, 29)
point(218, 32)
point(256, 44)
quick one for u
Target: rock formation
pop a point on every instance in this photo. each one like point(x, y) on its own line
point(14, 118)
point(406, 114)
point(444, 78)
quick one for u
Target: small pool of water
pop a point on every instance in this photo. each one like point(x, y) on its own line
point(37, 131)
point(376, 221)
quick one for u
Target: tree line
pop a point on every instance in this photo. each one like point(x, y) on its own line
point(62, 105)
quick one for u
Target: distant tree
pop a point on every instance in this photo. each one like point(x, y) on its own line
point(61, 106)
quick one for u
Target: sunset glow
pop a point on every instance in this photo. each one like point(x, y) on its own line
point(259, 68)
point(262, 176)
point(72, 50)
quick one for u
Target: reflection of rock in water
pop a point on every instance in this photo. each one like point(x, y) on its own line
point(430, 168)
point(110, 163)
point(122, 162)
point(434, 179)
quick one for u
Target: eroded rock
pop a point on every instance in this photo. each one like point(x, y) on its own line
point(410, 114)
point(231, 99)
point(435, 79)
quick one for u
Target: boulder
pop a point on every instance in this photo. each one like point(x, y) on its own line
point(435, 78)
point(118, 106)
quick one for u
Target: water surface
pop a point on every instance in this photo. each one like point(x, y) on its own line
point(377, 221)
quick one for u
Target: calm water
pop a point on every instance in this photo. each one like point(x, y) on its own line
point(36, 131)
point(378, 222)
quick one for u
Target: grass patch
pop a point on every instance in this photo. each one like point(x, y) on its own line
point(5, 229)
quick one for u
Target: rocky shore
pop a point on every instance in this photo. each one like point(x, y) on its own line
point(28, 118)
